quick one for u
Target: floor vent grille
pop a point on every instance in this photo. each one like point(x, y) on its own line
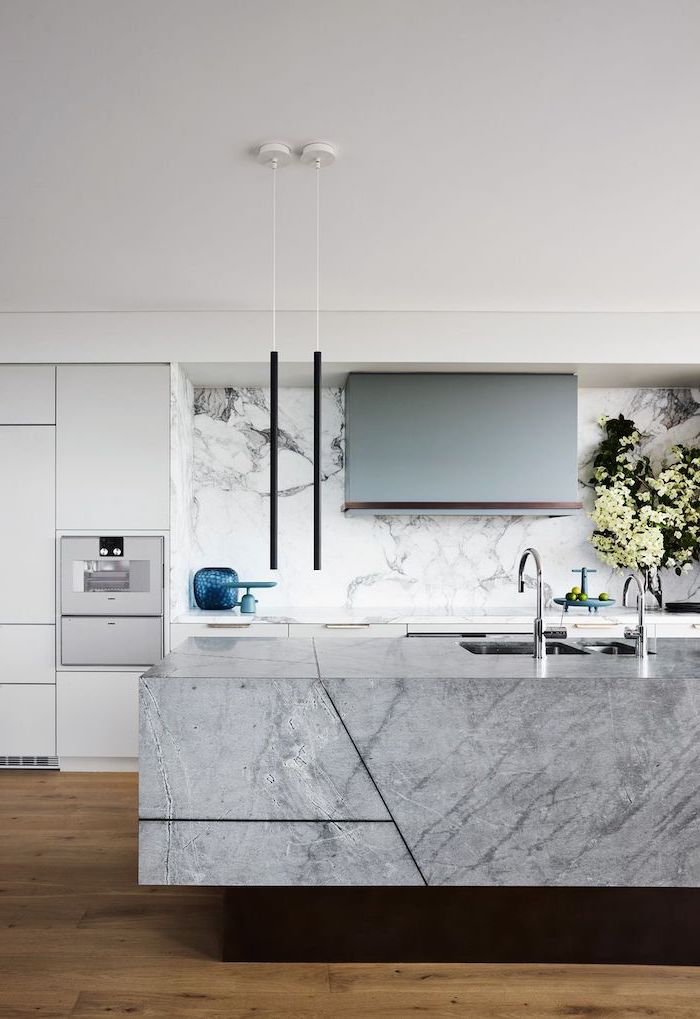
point(21, 762)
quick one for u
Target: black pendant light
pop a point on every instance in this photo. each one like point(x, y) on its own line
point(274, 155)
point(318, 155)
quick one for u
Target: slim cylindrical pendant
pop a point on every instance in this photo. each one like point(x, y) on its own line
point(274, 394)
point(317, 460)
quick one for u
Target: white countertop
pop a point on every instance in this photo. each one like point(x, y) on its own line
point(320, 615)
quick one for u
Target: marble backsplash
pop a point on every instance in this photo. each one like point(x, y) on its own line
point(221, 497)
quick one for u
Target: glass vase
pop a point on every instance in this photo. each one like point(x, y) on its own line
point(215, 588)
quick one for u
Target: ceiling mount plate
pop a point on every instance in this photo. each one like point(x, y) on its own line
point(271, 151)
point(323, 152)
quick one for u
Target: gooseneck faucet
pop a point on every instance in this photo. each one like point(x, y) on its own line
point(538, 631)
point(639, 633)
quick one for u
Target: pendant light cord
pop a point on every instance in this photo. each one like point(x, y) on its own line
point(318, 254)
point(274, 382)
point(317, 382)
point(274, 254)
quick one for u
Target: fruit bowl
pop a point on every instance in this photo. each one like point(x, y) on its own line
point(592, 604)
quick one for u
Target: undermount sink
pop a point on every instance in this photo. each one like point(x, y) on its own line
point(614, 648)
point(554, 647)
point(492, 647)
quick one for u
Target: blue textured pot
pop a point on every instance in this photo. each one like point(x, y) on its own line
point(216, 587)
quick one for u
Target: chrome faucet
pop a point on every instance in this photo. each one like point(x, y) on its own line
point(638, 633)
point(539, 633)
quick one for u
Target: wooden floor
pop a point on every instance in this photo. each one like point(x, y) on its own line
point(78, 937)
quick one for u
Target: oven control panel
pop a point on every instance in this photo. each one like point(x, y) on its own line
point(111, 547)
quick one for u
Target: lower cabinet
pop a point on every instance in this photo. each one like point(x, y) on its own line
point(97, 714)
point(27, 653)
point(347, 630)
point(592, 628)
point(179, 632)
point(672, 629)
point(27, 719)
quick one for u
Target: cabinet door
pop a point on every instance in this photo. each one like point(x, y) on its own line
point(27, 654)
point(584, 628)
point(27, 394)
point(27, 719)
point(27, 529)
point(181, 631)
point(98, 714)
point(671, 629)
point(113, 447)
point(363, 630)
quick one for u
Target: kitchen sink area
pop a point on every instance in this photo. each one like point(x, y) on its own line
point(501, 646)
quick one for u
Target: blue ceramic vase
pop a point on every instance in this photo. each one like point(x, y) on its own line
point(216, 587)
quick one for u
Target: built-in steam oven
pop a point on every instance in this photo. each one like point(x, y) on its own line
point(111, 600)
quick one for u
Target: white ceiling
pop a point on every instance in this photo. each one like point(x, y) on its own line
point(494, 154)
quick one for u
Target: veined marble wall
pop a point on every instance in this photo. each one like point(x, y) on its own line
point(444, 562)
point(182, 537)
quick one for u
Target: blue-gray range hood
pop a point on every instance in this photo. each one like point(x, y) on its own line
point(461, 443)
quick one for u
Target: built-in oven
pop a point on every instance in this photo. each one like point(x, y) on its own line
point(112, 590)
point(103, 576)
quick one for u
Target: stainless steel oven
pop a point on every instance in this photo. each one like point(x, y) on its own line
point(97, 582)
point(111, 600)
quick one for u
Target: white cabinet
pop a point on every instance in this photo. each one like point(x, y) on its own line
point(113, 447)
point(584, 629)
point(27, 719)
point(97, 714)
point(181, 631)
point(672, 628)
point(27, 394)
point(27, 654)
point(363, 630)
point(27, 528)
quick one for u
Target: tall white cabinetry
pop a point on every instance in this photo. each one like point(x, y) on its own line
point(113, 477)
point(113, 447)
point(27, 581)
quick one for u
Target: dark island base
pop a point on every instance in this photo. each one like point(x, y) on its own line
point(458, 924)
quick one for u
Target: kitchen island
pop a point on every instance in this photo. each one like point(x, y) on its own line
point(300, 771)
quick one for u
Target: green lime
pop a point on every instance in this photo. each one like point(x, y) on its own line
point(583, 597)
point(570, 596)
point(603, 596)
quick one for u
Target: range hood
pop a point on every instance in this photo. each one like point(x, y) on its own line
point(461, 443)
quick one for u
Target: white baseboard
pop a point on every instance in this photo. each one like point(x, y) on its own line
point(98, 763)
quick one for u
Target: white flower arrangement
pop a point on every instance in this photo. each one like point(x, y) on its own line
point(644, 521)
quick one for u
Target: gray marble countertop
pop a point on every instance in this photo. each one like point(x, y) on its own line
point(411, 761)
point(401, 657)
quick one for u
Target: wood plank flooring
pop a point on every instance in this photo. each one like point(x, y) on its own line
point(78, 937)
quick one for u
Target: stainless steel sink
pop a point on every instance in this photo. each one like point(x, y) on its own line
point(613, 648)
point(554, 647)
point(492, 647)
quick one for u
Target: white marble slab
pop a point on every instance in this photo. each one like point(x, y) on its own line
point(451, 564)
point(413, 618)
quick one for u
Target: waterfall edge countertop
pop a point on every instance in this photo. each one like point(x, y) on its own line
point(412, 762)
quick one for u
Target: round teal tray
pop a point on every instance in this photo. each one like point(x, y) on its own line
point(592, 604)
